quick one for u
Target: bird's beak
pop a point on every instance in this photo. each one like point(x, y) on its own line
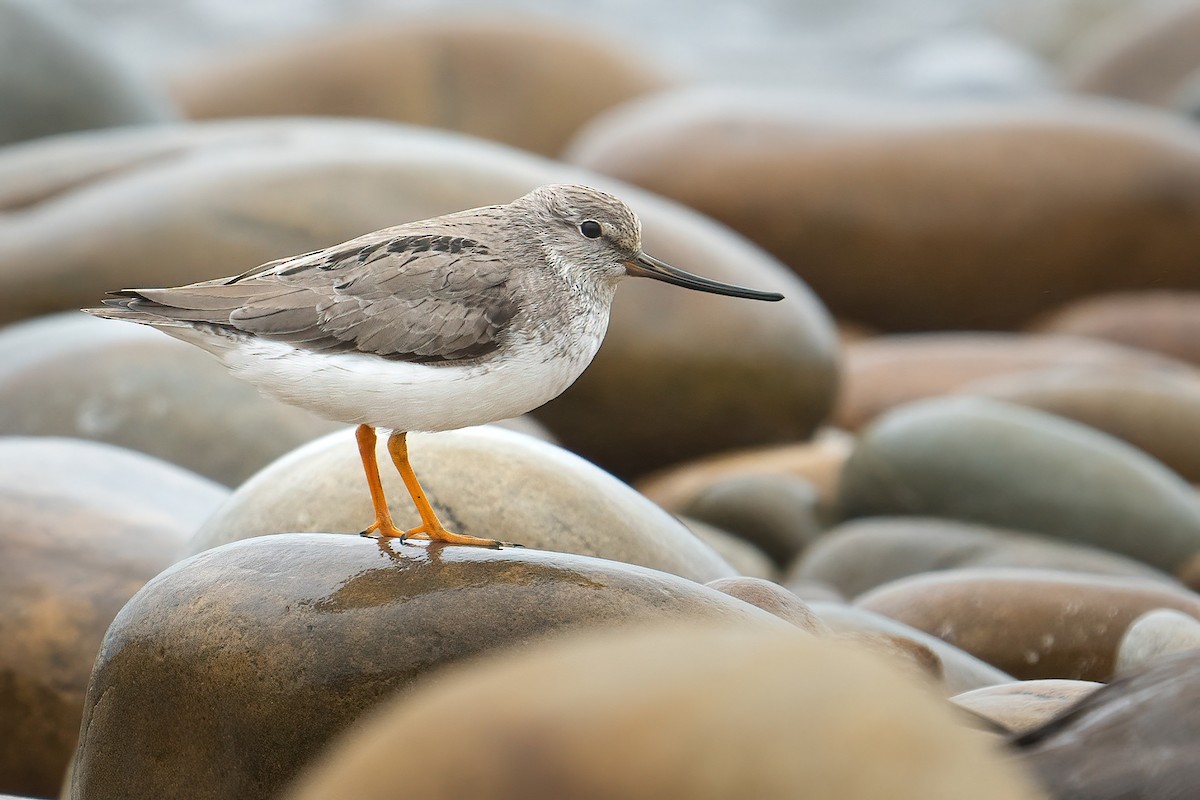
point(645, 266)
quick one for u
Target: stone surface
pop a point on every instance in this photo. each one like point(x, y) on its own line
point(1030, 623)
point(1156, 635)
point(85, 214)
point(810, 705)
point(1163, 322)
point(998, 464)
point(1020, 707)
point(514, 79)
point(890, 210)
point(73, 375)
point(55, 77)
point(738, 553)
point(82, 527)
point(263, 650)
point(1156, 413)
point(777, 513)
point(882, 373)
point(962, 671)
point(485, 482)
point(772, 597)
point(859, 555)
point(1136, 737)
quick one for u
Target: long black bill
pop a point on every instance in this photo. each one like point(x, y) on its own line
point(645, 266)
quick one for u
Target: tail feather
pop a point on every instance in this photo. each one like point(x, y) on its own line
point(132, 305)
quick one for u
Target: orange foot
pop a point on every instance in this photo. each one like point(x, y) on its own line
point(385, 529)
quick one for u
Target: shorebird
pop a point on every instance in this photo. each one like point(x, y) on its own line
point(459, 320)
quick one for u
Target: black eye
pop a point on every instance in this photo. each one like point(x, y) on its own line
point(590, 228)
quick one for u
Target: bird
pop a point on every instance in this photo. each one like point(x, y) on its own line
point(458, 320)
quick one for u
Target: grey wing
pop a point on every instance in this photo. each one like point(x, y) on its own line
point(422, 298)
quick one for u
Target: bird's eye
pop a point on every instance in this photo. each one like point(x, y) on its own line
point(590, 228)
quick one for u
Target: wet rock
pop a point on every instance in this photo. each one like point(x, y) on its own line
point(773, 598)
point(57, 77)
point(82, 527)
point(1020, 707)
point(888, 371)
point(1136, 737)
point(962, 671)
point(515, 80)
point(744, 557)
point(1156, 413)
point(1155, 635)
point(777, 513)
point(265, 649)
point(484, 482)
point(72, 375)
point(94, 212)
point(1030, 623)
point(1001, 465)
point(889, 210)
point(1162, 322)
point(908, 744)
point(859, 555)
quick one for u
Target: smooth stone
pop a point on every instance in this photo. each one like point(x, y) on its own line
point(1020, 707)
point(73, 375)
point(801, 703)
point(889, 209)
point(82, 527)
point(1135, 738)
point(777, 513)
point(744, 557)
point(1162, 322)
point(443, 71)
point(58, 77)
point(888, 371)
point(819, 461)
point(1156, 413)
point(483, 481)
point(997, 464)
point(94, 212)
point(1030, 623)
point(814, 591)
point(265, 649)
point(773, 598)
point(961, 671)
point(1155, 635)
point(859, 555)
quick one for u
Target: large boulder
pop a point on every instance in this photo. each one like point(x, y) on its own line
point(101, 211)
point(915, 217)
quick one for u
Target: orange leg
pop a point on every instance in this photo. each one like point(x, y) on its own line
point(365, 435)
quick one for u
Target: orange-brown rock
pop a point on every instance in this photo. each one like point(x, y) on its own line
point(1022, 706)
point(523, 81)
point(1030, 623)
point(772, 597)
point(912, 217)
point(1163, 322)
point(653, 714)
point(82, 527)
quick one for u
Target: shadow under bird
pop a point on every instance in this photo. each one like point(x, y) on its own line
point(459, 320)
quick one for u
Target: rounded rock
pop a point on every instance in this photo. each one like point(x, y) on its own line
point(1162, 322)
point(161, 207)
point(744, 557)
point(997, 464)
point(485, 482)
point(890, 210)
point(533, 702)
point(859, 555)
point(1156, 635)
point(1030, 623)
point(82, 527)
point(773, 598)
point(263, 650)
point(1020, 707)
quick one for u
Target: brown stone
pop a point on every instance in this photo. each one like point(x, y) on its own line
point(148, 207)
point(1030, 623)
point(1156, 635)
point(882, 373)
point(263, 650)
point(1020, 707)
point(485, 482)
point(772, 597)
point(523, 81)
point(1162, 322)
point(907, 216)
point(859, 555)
point(82, 527)
point(738, 553)
point(662, 707)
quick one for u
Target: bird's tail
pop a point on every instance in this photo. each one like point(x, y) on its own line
point(132, 305)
